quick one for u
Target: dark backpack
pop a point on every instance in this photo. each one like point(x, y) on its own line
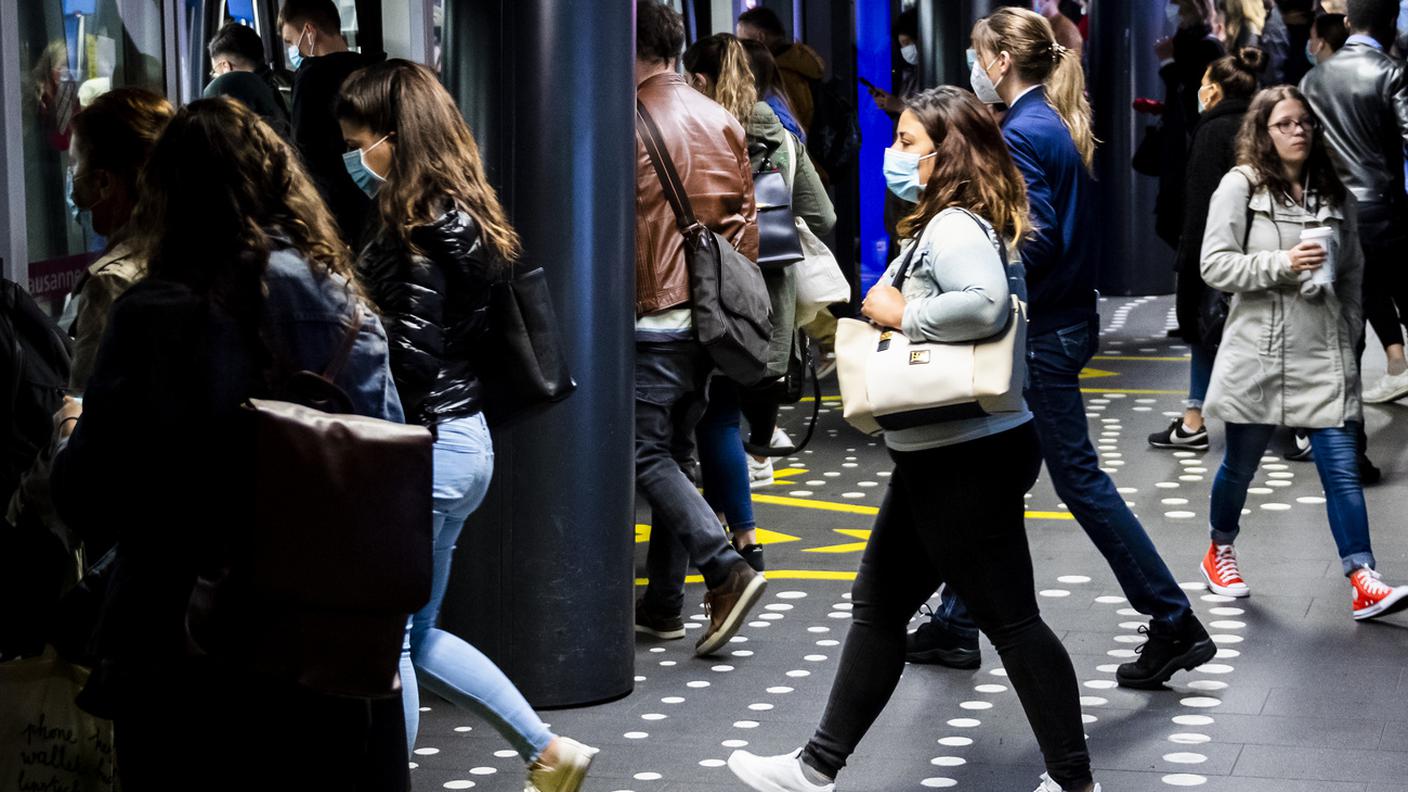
point(834, 137)
point(34, 364)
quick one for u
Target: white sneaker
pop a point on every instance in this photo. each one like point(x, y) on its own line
point(774, 773)
point(573, 761)
point(826, 366)
point(760, 474)
point(780, 439)
point(1047, 785)
point(1391, 388)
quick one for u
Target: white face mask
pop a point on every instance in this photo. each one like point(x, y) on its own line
point(910, 53)
point(983, 85)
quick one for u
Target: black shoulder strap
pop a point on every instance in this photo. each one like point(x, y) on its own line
point(664, 168)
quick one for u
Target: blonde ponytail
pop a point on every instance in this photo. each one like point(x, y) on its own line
point(1038, 58)
point(1065, 92)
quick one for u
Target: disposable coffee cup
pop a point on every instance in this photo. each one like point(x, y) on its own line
point(1321, 236)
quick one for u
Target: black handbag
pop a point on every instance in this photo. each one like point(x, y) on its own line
point(521, 363)
point(728, 297)
point(779, 243)
point(1213, 309)
point(1149, 157)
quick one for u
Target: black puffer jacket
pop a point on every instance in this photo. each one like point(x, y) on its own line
point(435, 306)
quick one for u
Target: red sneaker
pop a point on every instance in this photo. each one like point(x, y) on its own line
point(1221, 573)
point(1373, 597)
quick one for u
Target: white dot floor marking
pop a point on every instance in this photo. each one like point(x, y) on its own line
point(464, 729)
point(1180, 515)
point(1227, 654)
point(1276, 506)
point(780, 690)
point(955, 742)
point(1093, 701)
point(1228, 624)
point(1184, 780)
point(1200, 702)
point(998, 672)
point(647, 776)
point(975, 705)
point(1193, 585)
point(697, 683)
point(1109, 599)
point(505, 754)
point(653, 716)
point(1207, 685)
point(1226, 611)
point(1100, 684)
point(483, 771)
point(990, 688)
point(938, 783)
point(1174, 501)
point(1215, 668)
point(948, 761)
point(1073, 579)
point(1227, 639)
point(712, 763)
point(1310, 500)
point(1189, 738)
point(426, 751)
point(461, 784)
point(734, 743)
point(761, 706)
point(1054, 593)
point(745, 724)
point(964, 723)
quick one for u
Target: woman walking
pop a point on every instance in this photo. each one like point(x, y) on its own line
point(1288, 351)
point(954, 511)
point(440, 238)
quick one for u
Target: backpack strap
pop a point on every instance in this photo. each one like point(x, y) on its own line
point(665, 169)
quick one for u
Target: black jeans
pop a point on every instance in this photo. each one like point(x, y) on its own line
point(671, 378)
point(1383, 230)
point(955, 514)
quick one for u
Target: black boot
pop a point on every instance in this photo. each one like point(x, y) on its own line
point(1184, 646)
point(933, 645)
point(753, 555)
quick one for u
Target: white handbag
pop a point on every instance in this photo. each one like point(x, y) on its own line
point(890, 382)
point(820, 281)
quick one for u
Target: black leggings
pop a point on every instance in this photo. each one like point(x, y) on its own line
point(1383, 230)
point(955, 514)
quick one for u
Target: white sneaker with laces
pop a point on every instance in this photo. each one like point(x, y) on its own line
point(573, 761)
point(780, 439)
point(1391, 388)
point(760, 474)
point(774, 773)
point(1047, 785)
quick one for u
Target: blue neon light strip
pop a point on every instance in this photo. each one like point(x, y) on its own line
point(873, 61)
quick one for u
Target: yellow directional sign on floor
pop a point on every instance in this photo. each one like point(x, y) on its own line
point(1094, 373)
point(765, 537)
point(849, 547)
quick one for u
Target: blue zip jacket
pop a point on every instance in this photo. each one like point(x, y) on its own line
point(1060, 256)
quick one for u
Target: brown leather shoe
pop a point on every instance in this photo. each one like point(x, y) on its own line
point(728, 606)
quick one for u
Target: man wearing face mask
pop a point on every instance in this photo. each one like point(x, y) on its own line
point(318, 54)
point(111, 141)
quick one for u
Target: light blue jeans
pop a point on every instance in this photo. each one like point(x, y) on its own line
point(441, 661)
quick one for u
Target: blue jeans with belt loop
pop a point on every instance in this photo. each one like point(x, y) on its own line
point(1337, 462)
point(442, 661)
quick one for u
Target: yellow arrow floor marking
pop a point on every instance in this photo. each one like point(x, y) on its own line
point(782, 574)
point(854, 508)
point(849, 547)
point(1094, 373)
point(764, 536)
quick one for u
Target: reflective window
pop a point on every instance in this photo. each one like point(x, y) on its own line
point(348, 10)
point(71, 52)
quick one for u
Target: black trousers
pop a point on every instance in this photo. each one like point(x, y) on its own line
point(1383, 233)
point(955, 514)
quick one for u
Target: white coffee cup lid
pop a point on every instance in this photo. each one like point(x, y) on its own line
point(1317, 232)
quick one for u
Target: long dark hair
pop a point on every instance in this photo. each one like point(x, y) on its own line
point(438, 159)
point(220, 186)
point(973, 169)
point(1256, 149)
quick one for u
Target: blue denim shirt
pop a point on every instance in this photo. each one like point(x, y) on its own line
point(307, 314)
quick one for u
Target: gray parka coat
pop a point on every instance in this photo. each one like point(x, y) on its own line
point(1288, 351)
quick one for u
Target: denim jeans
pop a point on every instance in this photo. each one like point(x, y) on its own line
point(1200, 376)
point(1337, 462)
point(723, 467)
point(1054, 363)
point(955, 514)
point(441, 661)
point(671, 378)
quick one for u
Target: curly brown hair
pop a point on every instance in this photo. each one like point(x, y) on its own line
point(219, 192)
point(1256, 150)
point(440, 163)
point(973, 169)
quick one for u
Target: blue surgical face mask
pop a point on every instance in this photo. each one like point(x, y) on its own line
point(295, 55)
point(902, 173)
point(362, 174)
point(1310, 55)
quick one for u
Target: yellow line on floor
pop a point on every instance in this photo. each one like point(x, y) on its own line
point(856, 508)
point(1147, 359)
point(782, 574)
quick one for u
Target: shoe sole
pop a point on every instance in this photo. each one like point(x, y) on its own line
point(761, 483)
point(746, 775)
point(1203, 446)
point(664, 635)
point(1393, 603)
point(960, 659)
point(734, 620)
point(1241, 593)
point(1197, 654)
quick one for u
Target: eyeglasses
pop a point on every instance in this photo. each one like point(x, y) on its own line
point(1306, 125)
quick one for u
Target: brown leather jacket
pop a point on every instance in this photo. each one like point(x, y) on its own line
point(710, 151)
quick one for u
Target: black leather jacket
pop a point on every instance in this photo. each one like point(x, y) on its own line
point(435, 306)
point(1361, 99)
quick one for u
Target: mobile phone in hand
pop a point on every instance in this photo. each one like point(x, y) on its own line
point(870, 86)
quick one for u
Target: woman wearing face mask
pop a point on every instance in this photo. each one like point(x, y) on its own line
point(1288, 351)
point(955, 509)
point(111, 141)
point(440, 237)
point(1047, 128)
point(906, 29)
point(1184, 58)
point(1227, 89)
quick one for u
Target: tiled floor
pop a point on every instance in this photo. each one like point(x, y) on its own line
point(1300, 699)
